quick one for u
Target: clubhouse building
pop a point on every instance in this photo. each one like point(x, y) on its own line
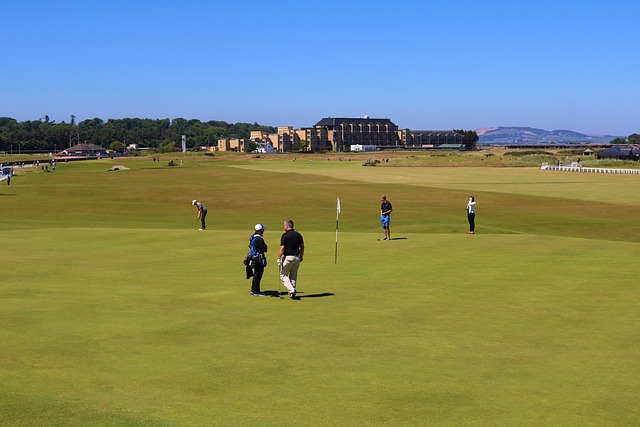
point(344, 134)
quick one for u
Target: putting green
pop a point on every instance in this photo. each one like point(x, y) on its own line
point(116, 312)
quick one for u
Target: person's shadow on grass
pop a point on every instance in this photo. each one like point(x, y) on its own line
point(299, 295)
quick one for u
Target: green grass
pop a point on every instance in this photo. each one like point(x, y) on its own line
point(115, 312)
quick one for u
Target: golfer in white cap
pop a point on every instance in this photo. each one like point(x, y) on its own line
point(202, 212)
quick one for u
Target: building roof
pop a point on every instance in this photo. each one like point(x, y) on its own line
point(435, 132)
point(335, 121)
point(619, 152)
point(85, 147)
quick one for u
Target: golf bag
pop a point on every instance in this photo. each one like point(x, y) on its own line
point(253, 256)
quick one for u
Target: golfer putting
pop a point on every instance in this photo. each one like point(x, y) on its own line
point(202, 213)
point(290, 256)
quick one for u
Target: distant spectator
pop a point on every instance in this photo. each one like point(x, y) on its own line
point(471, 214)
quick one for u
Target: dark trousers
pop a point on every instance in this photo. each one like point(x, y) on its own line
point(258, 271)
point(472, 221)
point(202, 215)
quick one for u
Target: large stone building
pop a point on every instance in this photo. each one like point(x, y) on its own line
point(231, 144)
point(429, 138)
point(289, 139)
point(342, 132)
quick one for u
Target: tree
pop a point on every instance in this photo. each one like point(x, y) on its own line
point(634, 138)
point(46, 135)
point(117, 146)
point(57, 137)
point(469, 138)
point(168, 146)
point(618, 141)
point(250, 147)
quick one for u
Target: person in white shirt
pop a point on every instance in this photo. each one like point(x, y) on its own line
point(471, 214)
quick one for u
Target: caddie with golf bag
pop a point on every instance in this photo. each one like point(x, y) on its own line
point(256, 260)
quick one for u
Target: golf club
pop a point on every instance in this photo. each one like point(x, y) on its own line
point(279, 281)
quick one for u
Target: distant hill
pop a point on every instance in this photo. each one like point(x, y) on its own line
point(525, 135)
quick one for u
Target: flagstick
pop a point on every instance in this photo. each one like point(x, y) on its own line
point(335, 257)
point(335, 260)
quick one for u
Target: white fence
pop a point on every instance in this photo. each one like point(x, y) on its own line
point(574, 168)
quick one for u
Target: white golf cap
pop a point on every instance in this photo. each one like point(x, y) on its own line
point(259, 227)
point(193, 202)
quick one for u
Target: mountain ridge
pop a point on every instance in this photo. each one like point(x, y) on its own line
point(529, 135)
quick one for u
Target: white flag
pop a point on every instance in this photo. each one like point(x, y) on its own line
point(338, 204)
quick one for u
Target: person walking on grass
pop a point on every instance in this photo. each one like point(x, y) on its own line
point(290, 256)
point(257, 259)
point(471, 214)
point(202, 213)
point(385, 212)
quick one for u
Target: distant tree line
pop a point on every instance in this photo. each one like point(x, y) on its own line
point(634, 138)
point(44, 135)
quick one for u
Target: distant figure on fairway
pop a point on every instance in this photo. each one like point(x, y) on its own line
point(471, 214)
point(385, 211)
point(202, 212)
point(290, 257)
point(256, 260)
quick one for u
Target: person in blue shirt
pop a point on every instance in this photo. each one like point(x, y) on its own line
point(385, 211)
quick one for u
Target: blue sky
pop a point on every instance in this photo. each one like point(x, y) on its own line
point(423, 64)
